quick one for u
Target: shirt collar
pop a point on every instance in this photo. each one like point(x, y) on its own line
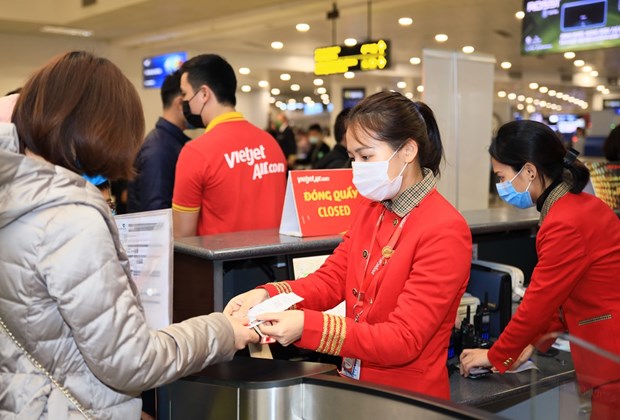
point(222, 118)
point(173, 129)
point(558, 192)
point(412, 196)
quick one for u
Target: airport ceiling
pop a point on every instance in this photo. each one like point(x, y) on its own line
point(250, 26)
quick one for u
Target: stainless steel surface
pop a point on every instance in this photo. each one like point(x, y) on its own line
point(283, 403)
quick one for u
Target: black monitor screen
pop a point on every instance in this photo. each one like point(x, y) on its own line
point(155, 69)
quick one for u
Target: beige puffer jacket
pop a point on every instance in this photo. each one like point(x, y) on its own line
point(67, 295)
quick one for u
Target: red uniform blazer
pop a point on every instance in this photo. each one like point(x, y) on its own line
point(578, 271)
point(403, 336)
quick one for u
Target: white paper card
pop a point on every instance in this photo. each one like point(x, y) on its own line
point(147, 239)
point(278, 303)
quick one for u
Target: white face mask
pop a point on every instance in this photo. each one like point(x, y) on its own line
point(373, 182)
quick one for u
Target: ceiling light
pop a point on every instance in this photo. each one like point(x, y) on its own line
point(468, 49)
point(600, 88)
point(275, 91)
point(405, 21)
point(401, 85)
point(292, 101)
point(559, 95)
point(246, 88)
point(349, 75)
point(521, 98)
point(295, 87)
point(543, 89)
point(586, 69)
point(533, 85)
point(63, 30)
point(263, 83)
point(520, 14)
point(409, 95)
point(551, 92)
point(272, 100)
point(318, 82)
point(307, 99)
point(594, 73)
point(569, 55)
point(501, 93)
point(321, 90)
point(536, 101)
point(244, 70)
point(350, 42)
point(529, 100)
point(415, 60)
point(512, 96)
point(420, 88)
point(302, 27)
point(285, 77)
point(520, 107)
point(325, 97)
point(579, 63)
point(277, 45)
point(531, 108)
point(506, 65)
point(441, 37)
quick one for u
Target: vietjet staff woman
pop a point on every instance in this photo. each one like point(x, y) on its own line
point(402, 268)
point(578, 248)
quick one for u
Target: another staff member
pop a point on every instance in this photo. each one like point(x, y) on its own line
point(402, 268)
point(575, 285)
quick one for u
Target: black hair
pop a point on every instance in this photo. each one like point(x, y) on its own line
point(391, 117)
point(518, 142)
point(315, 127)
point(215, 72)
point(340, 125)
point(611, 146)
point(171, 88)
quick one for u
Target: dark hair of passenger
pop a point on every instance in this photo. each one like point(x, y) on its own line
point(340, 125)
point(215, 72)
point(171, 88)
point(518, 142)
point(79, 111)
point(315, 127)
point(391, 117)
point(611, 146)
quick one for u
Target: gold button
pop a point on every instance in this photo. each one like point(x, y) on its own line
point(395, 222)
point(364, 254)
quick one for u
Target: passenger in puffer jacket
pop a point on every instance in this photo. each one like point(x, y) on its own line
point(66, 291)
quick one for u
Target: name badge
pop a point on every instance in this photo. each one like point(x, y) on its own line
point(351, 368)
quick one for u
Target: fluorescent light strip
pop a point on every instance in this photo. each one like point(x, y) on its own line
point(66, 31)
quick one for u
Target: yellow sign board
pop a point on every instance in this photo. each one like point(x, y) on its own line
point(371, 55)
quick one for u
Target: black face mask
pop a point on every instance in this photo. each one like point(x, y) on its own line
point(194, 120)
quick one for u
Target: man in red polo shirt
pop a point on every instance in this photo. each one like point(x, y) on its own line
point(232, 177)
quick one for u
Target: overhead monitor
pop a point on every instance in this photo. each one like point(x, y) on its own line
point(155, 69)
point(552, 26)
point(351, 96)
point(338, 59)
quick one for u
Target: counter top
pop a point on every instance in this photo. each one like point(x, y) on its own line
point(261, 243)
point(500, 389)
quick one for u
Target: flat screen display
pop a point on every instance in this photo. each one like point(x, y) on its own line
point(351, 96)
point(155, 69)
point(552, 26)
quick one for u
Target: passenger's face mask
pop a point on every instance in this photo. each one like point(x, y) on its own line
point(507, 192)
point(313, 139)
point(193, 120)
point(373, 182)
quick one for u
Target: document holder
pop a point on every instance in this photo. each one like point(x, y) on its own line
point(497, 285)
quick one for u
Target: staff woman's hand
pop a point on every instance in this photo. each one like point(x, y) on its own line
point(286, 327)
point(471, 358)
point(241, 304)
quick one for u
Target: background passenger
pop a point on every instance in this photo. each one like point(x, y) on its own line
point(155, 165)
point(338, 157)
point(286, 139)
point(611, 146)
point(402, 268)
point(574, 285)
point(66, 291)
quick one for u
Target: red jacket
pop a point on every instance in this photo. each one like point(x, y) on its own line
point(578, 271)
point(402, 337)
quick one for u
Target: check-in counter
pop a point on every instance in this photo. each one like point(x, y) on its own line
point(209, 270)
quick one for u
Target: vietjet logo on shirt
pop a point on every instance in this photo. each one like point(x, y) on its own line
point(253, 157)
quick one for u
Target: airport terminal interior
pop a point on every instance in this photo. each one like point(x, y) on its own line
point(478, 64)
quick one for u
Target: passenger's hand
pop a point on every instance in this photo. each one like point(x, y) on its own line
point(471, 358)
point(523, 357)
point(243, 334)
point(241, 304)
point(286, 327)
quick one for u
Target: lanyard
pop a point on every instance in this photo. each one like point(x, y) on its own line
point(370, 279)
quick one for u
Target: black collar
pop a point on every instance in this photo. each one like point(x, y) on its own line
point(541, 200)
